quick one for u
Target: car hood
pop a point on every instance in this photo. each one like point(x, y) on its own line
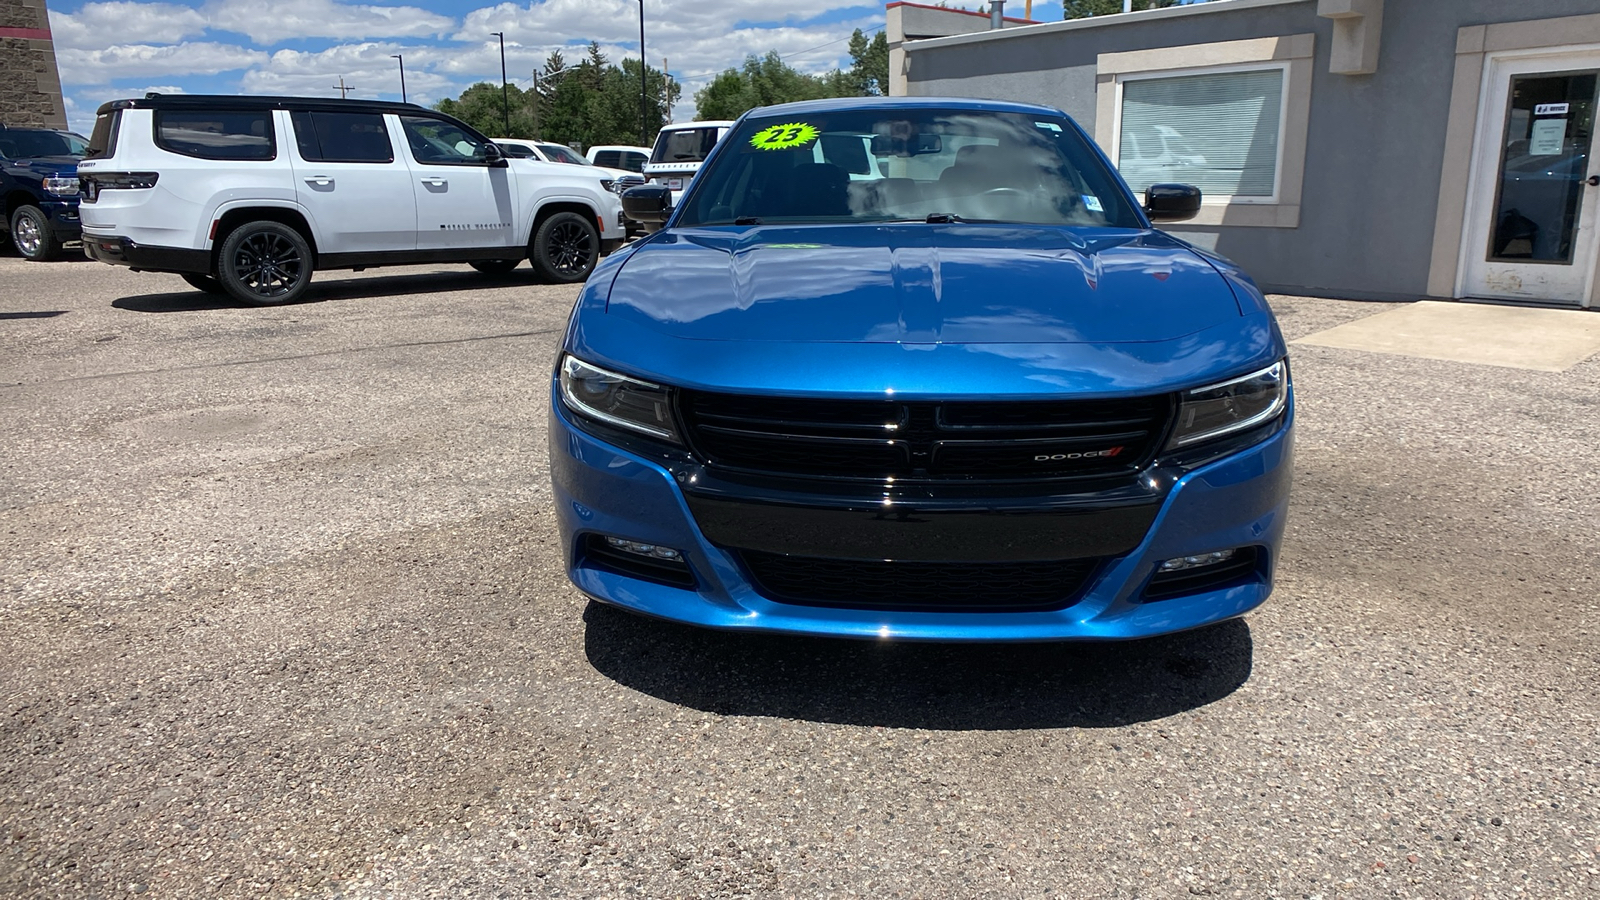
point(46, 165)
point(920, 284)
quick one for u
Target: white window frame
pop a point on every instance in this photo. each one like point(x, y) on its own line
point(1292, 54)
point(1115, 150)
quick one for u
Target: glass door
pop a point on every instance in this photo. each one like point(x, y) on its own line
point(1533, 231)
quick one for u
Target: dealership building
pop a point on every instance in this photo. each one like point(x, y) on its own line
point(1347, 148)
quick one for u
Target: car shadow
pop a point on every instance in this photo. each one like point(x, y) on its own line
point(189, 300)
point(920, 685)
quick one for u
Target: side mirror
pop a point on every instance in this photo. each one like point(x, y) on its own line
point(1171, 202)
point(648, 203)
point(492, 156)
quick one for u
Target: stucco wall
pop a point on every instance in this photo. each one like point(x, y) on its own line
point(30, 87)
point(1375, 142)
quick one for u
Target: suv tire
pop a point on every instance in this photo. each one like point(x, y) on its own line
point(31, 232)
point(495, 266)
point(565, 248)
point(205, 283)
point(264, 264)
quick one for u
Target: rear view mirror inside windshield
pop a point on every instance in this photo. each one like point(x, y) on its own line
point(909, 145)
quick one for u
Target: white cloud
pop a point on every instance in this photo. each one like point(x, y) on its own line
point(283, 20)
point(97, 24)
point(146, 61)
point(368, 68)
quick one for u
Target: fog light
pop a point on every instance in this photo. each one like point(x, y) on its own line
point(642, 549)
point(1180, 563)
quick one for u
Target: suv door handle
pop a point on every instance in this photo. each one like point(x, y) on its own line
point(319, 180)
point(434, 181)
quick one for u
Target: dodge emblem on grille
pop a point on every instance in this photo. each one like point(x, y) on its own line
point(1087, 454)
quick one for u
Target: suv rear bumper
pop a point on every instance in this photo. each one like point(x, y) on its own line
point(121, 251)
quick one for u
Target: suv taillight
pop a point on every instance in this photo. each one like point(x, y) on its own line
point(92, 185)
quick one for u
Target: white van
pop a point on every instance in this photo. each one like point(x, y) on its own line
point(679, 151)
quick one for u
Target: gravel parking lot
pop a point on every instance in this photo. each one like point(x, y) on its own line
point(282, 614)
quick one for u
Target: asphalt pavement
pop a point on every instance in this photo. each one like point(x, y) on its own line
point(282, 614)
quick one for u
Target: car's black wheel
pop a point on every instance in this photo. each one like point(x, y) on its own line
point(264, 264)
point(204, 283)
point(30, 231)
point(495, 266)
point(565, 248)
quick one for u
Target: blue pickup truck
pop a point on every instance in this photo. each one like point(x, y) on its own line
point(39, 184)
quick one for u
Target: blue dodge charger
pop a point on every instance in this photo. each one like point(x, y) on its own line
point(920, 369)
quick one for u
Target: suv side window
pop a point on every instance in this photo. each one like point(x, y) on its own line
point(217, 134)
point(342, 137)
point(437, 142)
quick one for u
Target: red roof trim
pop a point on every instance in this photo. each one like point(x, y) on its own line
point(32, 34)
point(964, 12)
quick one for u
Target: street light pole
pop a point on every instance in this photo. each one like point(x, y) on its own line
point(402, 76)
point(644, 88)
point(505, 95)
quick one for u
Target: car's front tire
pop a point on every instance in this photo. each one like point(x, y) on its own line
point(30, 231)
point(565, 248)
point(265, 264)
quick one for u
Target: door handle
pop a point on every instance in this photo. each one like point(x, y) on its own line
point(319, 180)
point(435, 181)
point(1592, 181)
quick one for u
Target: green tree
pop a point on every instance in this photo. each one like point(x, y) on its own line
point(764, 81)
point(1083, 9)
point(869, 64)
point(481, 106)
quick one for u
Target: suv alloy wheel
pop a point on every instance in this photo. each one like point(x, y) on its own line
point(264, 264)
point(565, 248)
point(30, 231)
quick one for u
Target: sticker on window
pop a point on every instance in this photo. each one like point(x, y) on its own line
point(1048, 126)
point(1092, 203)
point(784, 137)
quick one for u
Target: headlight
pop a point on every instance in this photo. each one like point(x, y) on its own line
point(1230, 406)
point(62, 186)
point(609, 185)
point(617, 399)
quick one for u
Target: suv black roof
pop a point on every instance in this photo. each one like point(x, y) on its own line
point(241, 102)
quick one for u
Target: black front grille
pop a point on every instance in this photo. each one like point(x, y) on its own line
point(919, 586)
point(958, 440)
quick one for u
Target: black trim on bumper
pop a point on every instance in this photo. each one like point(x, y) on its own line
point(993, 530)
point(121, 251)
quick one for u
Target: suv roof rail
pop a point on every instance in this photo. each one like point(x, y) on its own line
point(156, 100)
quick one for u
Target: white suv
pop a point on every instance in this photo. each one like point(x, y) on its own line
point(250, 195)
point(679, 151)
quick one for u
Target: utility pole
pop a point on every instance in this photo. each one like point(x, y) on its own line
point(505, 94)
point(644, 90)
point(666, 85)
point(343, 89)
point(402, 76)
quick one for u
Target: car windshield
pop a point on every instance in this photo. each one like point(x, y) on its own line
point(21, 144)
point(684, 145)
point(560, 154)
point(932, 165)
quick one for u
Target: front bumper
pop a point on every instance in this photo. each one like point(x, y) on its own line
point(63, 216)
point(1239, 500)
point(121, 251)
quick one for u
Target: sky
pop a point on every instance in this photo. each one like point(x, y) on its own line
point(110, 49)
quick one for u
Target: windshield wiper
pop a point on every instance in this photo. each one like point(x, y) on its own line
point(943, 218)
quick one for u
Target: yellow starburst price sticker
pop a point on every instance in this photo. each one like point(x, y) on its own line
point(784, 137)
